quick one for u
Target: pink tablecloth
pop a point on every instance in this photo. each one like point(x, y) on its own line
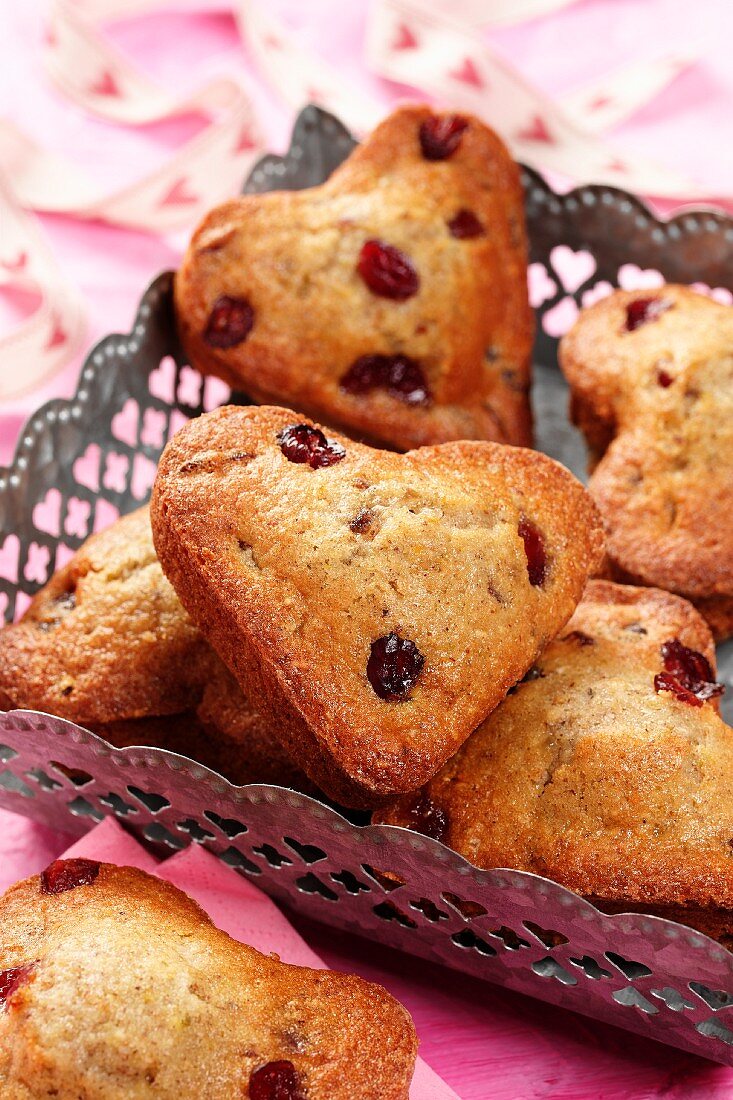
point(483, 1041)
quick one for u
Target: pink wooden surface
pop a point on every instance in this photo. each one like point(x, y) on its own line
point(484, 1042)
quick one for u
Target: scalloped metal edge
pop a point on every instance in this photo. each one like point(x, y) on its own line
point(683, 221)
point(253, 793)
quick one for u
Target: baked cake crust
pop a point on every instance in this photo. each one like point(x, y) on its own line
point(297, 576)
point(306, 315)
point(133, 992)
point(107, 644)
point(655, 402)
point(589, 776)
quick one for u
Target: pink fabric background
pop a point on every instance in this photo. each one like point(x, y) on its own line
point(483, 1041)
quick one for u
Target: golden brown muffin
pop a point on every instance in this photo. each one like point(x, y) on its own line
point(117, 986)
point(392, 300)
point(106, 638)
point(651, 375)
point(380, 604)
point(609, 768)
point(107, 644)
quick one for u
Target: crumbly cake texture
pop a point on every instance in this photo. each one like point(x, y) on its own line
point(107, 644)
point(132, 992)
point(302, 578)
point(589, 776)
point(298, 314)
point(651, 374)
point(106, 638)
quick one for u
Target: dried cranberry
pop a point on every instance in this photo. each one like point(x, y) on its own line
point(664, 379)
point(67, 874)
point(428, 818)
point(304, 443)
point(229, 322)
point(11, 979)
point(401, 376)
point(440, 135)
point(534, 548)
point(275, 1081)
point(394, 666)
point(362, 521)
point(465, 225)
point(665, 681)
point(533, 673)
point(387, 271)
point(643, 310)
point(687, 674)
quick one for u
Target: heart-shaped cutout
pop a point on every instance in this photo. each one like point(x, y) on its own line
point(541, 286)
point(574, 268)
point(125, 423)
point(47, 513)
point(378, 605)
point(86, 468)
point(9, 555)
point(143, 475)
point(633, 277)
point(162, 381)
point(105, 514)
point(372, 299)
point(558, 320)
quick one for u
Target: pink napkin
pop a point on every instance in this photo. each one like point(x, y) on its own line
point(235, 906)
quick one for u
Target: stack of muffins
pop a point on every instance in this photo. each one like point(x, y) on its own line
point(372, 588)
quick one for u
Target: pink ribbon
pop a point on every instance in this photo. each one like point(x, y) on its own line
point(434, 46)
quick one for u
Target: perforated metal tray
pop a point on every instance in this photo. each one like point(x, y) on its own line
point(80, 463)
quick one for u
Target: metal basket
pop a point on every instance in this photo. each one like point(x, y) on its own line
point(81, 462)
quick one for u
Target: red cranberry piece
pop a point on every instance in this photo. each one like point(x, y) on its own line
point(440, 135)
point(303, 443)
point(534, 548)
point(67, 874)
point(687, 674)
point(665, 681)
point(362, 521)
point(229, 322)
point(394, 666)
point(643, 310)
point(10, 980)
point(428, 818)
point(275, 1081)
point(401, 376)
point(387, 271)
point(465, 225)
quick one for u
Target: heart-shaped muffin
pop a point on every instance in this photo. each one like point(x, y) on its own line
point(115, 985)
point(608, 769)
point(379, 605)
point(391, 301)
point(107, 644)
point(651, 375)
